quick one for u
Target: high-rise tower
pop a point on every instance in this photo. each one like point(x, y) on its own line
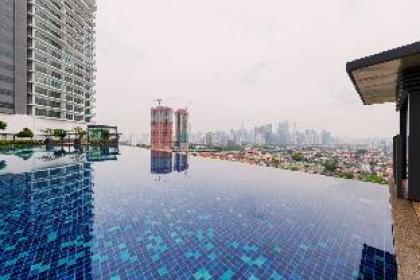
point(161, 128)
point(47, 60)
point(181, 129)
point(13, 57)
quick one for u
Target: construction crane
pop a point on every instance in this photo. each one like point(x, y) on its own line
point(188, 105)
point(158, 100)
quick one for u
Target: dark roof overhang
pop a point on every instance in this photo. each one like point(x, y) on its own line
point(377, 77)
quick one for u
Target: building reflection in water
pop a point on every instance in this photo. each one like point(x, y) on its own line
point(162, 162)
point(377, 264)
point(102, 153)
point(181, 162)
point(46, 208)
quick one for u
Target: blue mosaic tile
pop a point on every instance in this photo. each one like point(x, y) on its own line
point(202, 274)
point(227, 275)
point(134, 218)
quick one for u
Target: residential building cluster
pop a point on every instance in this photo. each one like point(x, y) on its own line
point(371, 163)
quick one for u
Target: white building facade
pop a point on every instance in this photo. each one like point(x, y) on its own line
point(58, 86)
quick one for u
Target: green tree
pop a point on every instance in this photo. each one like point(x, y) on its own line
point(275, 162)
point(60, 133)
point(373, 178)
point(331, 165)
point(348, 175)
point(25, 133)
point(3, 125)
point(297, 156)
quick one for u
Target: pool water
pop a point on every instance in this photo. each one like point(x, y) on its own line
point(136, 214)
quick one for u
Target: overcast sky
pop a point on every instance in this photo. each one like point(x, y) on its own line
point(235, 62)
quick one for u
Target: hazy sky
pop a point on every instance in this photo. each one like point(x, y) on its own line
point(235, 62)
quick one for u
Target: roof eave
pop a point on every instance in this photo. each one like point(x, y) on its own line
point(382, 57)
point(350, 73)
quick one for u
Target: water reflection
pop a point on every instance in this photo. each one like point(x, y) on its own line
point(45, 208)
point(102, 153)
point(3, 164)
point(14, 161)
point(209, 226)
point(181, 162)
point(24, 154)
point(166, 162)
point(160, 162)
point(377, 264)
point(25, 159)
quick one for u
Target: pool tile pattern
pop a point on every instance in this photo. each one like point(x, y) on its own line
point(113, 220)
point(46, 222)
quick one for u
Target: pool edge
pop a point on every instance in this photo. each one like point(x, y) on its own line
point(406, 232)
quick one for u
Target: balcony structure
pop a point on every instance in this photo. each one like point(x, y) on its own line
point(61, 59)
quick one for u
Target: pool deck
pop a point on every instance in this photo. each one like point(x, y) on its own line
point(406, 230)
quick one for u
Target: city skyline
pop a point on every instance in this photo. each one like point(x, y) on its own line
point(232, 62)
point(283, 132)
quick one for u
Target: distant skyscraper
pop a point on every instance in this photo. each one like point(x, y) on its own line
point(294, 137)
point(47, 61)
point(259, 135)
point(181, 130)
point(326, 137)
point(268, 134)
point(312, 137)
point(132, 139)
point(209, 139)
point(145, 139)
point(161, 128)
point(283, 133)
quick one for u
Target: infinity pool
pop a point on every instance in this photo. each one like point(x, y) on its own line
point(133, 214)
